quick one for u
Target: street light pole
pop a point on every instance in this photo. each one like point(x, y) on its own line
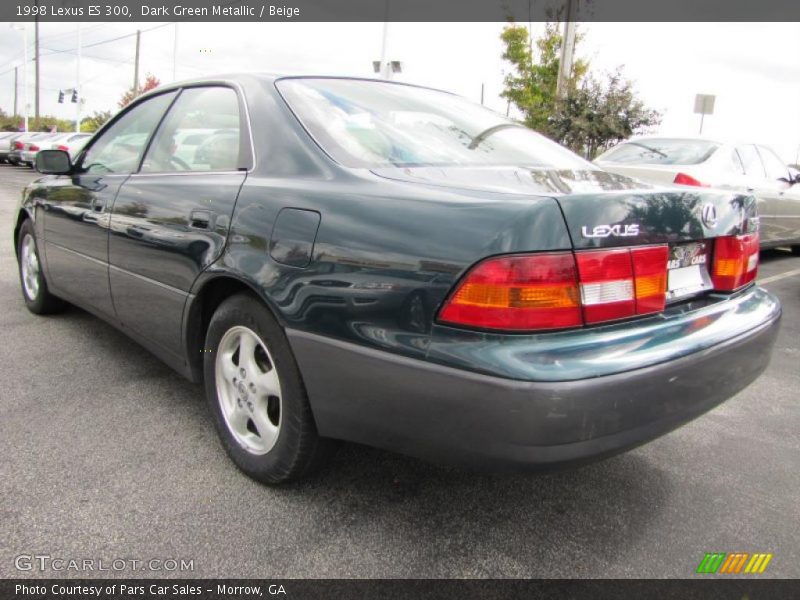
point(24, 30)
point(16, 87)
point(385, 63)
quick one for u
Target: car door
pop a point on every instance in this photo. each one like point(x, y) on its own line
point(170, 219)
point(77, 206)
point(765, 191)
point(786, 197)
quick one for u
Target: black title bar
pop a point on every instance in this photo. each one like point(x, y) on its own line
point(391, 589)
point(398, 10)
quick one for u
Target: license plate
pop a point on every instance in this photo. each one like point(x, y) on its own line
point(687, 270)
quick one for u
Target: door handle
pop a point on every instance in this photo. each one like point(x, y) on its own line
point(200, 219)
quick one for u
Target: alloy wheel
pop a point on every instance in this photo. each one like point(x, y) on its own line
point(29, 263)
point(248, 389)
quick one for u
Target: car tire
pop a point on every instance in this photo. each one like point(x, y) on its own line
point(256, 395)
point(796, 250)
point(35, 292)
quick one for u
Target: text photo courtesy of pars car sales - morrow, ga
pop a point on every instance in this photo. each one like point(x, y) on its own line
point(377, 299)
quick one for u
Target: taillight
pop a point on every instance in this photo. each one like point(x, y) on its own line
point(616, 284)
point(33, 148)
point(650, 278)
point(18, 145)
point(537, 291)
point(606, 284)
point(735, 261)
point(684, 179)
point(560, 290)
point(63, 147)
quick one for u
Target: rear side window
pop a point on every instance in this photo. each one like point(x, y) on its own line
point(736, 163)
point(379, 124)
point(200, 133)
point(751, 161)
point(119, 149)
point(773, 165)
point(661, 152)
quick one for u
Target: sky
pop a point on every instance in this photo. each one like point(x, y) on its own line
point(752, 68)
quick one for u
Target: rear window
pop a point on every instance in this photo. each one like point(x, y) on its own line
point(370, 124)
point(661, 152)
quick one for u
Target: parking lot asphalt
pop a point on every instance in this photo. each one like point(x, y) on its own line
point(107, 454)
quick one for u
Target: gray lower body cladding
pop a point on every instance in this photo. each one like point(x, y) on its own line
point(452, 415)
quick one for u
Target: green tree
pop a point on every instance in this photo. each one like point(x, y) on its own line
point(48, 123)
point(591, 115)
point(597, 115)
point(531, 85)
point(43, 123)
point(150, 82)
point(95, 121)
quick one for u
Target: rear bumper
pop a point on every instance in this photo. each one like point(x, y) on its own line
point(454, 415)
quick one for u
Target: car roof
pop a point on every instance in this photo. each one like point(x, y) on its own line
point(680, 138)
point(689, 138)
point(240, 78)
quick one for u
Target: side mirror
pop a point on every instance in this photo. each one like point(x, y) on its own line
point(53, 162)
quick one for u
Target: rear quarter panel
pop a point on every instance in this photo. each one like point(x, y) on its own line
point(386, 254)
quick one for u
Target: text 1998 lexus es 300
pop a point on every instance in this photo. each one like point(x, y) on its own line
point(347, 259)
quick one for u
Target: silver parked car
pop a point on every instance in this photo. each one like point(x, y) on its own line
point(67, 141)
point(5, 142)
point(18, 144)
point(744, 167)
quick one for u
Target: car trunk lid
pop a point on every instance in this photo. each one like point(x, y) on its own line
point(656, 216)
point(688, 221)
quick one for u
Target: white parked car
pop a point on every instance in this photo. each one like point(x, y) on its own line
point(745, 167)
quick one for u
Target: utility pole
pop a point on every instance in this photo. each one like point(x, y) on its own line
point(567, 50)
point(136, 65)
point(15, 90)
point(36, 62)
point(78, 85)
point(25, 106)
point(175, 54)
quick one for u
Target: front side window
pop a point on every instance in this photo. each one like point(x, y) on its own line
point(200, 133)
point(652, 151)
point(377, 124)
point(119, 149)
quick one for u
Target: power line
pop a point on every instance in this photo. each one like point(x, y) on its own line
point(100, 43)
point(48, 38)
point(92, 56)
point(127, 35)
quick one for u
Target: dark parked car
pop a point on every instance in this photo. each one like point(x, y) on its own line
point(392, 265)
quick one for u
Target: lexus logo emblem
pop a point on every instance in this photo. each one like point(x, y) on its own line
point(710, 215)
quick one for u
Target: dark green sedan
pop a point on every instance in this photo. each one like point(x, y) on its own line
point(347, 259)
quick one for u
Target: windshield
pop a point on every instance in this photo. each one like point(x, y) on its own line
point(376, 124)
point(660, 152)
